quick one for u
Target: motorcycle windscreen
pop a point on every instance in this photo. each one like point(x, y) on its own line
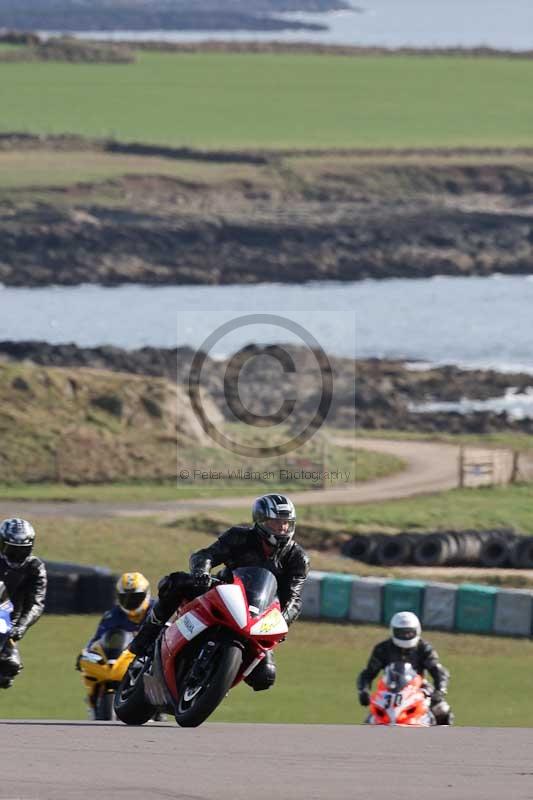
point(260, 585)
point(115, 641)
point(398, 674)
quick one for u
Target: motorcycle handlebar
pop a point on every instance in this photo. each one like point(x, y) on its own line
point(213, 581)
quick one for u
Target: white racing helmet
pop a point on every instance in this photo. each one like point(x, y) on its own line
point(405, 629)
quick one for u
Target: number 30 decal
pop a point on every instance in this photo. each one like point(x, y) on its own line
point(393, 699)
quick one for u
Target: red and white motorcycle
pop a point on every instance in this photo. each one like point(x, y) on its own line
point(216, 641)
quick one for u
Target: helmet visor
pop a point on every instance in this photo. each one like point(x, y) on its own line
point(281, 529)
point(130, 601)
point(16, 553)
point(404, 634)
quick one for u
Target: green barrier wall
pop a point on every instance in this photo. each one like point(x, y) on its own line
point(474, 610)
point(402, 596)
point(335, 596)
point(478, 609)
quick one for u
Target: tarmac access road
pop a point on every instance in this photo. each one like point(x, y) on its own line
point(75, 760)
point(430, 467)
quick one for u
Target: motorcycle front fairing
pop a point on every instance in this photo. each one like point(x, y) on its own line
point(6, 625)
point(248, 608)
point(401, 699)
point(107, 660)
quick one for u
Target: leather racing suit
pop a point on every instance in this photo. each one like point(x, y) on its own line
point(423, 658)
point(26, 588)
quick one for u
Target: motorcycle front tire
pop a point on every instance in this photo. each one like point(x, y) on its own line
point(104, 706)
point(229, 660)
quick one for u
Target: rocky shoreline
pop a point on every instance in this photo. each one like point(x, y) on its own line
point(381, 394)
point(288, 217)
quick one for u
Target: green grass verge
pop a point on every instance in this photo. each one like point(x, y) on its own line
point(460, 508)
point(45, 168)
point(125, 545)
point(481, 690)
point(364, 464)
point(501, 506)
point(142, 492)
point(277, 100)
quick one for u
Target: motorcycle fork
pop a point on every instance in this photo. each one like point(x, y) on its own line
point(202, 662)
point(197, 670)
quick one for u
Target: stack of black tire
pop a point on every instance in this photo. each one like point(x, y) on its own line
point(78, 589)
point(498, 547)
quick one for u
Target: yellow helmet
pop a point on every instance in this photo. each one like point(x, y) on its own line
point(133, 595)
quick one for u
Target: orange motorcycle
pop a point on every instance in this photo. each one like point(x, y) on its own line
point(402, 697)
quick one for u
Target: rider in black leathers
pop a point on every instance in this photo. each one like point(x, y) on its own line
point(405, 628)
point(269, 544)
point(25, 578)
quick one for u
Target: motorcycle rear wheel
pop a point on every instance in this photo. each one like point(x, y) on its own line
point(130, 703)
point(198, 700)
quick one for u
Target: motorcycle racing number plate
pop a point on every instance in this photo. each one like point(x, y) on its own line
point(390, 699)
point(272, 622)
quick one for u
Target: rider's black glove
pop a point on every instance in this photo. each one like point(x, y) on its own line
point(201, 580)
point(364, 697)
point(78, 659)
point(17, 632)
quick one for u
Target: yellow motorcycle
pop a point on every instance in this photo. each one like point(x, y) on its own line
point(102, 667)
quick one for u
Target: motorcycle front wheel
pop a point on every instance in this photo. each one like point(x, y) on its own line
point(104, 705)
point(200, 697)
point(130, 703)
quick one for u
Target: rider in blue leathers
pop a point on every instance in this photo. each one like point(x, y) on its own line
point(133, 604)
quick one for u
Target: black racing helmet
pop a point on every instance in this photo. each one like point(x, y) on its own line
point(270, 513)
point(16, 541)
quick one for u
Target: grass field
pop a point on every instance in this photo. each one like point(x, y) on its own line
point(124, 545)
point(297, 100)
point(45, 168)
point(501, 506)
point(317, 666)
point(507, 506)
point(361, 465)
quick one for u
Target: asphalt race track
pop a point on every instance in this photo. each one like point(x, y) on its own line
point(43, 760)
